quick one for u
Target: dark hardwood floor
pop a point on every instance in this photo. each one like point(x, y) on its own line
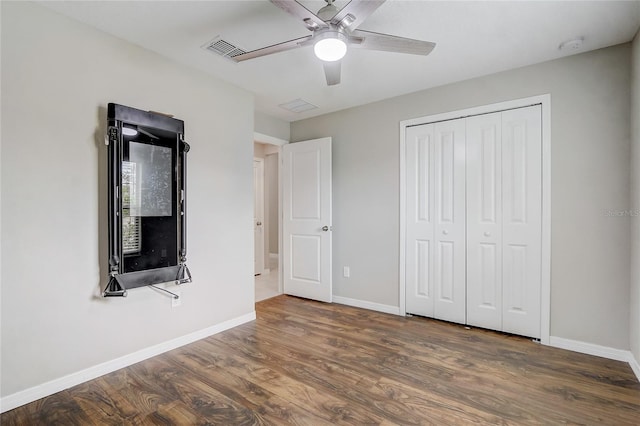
point(303, 362)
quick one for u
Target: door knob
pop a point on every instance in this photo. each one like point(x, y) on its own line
point(487, 234)
point(259, 224)
point(445, 232)
point(325, 228)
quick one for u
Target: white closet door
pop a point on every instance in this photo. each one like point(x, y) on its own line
point(449, 215)
point(522, 220)
point(420, 149)
point(484, 221)
point(474, 220)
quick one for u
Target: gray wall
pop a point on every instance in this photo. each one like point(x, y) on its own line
point(590, 175)
point(271, 126)
point(635, 199)
point(57, 78)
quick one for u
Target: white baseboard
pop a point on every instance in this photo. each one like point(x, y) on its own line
point(387, 309)
point(597, 350)
point(589, 348)
point(635, 366)
point(26, 396)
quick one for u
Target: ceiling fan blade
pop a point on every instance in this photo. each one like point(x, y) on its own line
point(355, 12)
point(280, 47)
point(390, 43)
point(332, 72)
point(308, 18)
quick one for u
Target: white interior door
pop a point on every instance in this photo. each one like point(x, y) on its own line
point(504, 220)
point(258, 215)
point(450, 217)
point(306, 222)
point(420, 148)
point(484, 221)
point(522, 220)
point(435, 243)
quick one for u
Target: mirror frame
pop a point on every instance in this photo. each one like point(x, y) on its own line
point(119, 281)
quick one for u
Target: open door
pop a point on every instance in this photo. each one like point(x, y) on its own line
point(306, 222)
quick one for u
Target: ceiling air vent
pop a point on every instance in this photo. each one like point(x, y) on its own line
point(298, 106)
point(223, 48)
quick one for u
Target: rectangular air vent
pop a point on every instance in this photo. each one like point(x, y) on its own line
point(223, 48)
point(298, 105)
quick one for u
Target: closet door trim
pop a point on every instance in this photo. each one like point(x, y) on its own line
point(545, 273)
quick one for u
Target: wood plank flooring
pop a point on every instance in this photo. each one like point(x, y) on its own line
point(309, 363)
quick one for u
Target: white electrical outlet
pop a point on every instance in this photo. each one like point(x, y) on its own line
point(346, 272)
point(176, 301)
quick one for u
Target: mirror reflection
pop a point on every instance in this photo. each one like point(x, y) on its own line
point(149, 222)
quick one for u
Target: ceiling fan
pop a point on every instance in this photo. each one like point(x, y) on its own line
point(334, 30)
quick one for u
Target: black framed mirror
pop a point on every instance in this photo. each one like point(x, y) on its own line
point(147, 199)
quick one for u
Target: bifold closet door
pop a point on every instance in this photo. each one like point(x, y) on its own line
point(420, 149)
point(484, 221)
point(435, 251)
point(504, 222)
point(521, 220)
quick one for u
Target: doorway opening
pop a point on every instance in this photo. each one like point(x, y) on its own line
point(266, 224)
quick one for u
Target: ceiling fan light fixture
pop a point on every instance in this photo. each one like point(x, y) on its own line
point(330, 46)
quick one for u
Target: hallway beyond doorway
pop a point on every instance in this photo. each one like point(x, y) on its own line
point(266, 285)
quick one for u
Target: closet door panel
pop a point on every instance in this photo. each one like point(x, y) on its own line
point(484, 221)
point(420, 244)
point(449, 230)
point(522, 220)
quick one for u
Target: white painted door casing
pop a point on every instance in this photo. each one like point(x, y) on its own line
point(258, 215)
point(306, 222)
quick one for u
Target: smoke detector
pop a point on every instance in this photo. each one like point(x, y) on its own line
point(571, 45)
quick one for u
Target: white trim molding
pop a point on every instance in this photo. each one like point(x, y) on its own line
point(545, 102)
point(596, 350)
point(26, 396)
point(635, 366)
point(372, 306)
point(262, 138)
point(589, 348)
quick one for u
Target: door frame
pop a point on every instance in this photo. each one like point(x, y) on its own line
point(258, 198)
point(277, 144)
point(545, 102)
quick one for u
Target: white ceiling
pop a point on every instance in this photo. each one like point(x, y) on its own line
point(473, 38)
